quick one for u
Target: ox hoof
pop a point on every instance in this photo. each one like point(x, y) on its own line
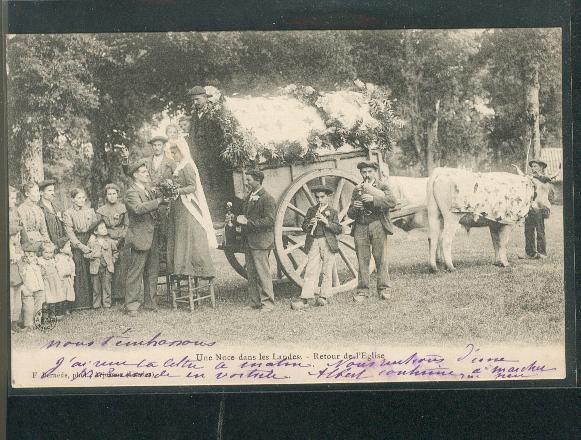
point(501, 264)
point(450, 269)
point(434, 269)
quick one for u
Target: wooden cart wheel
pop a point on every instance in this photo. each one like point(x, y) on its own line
point(290, 238)
point(235, 262)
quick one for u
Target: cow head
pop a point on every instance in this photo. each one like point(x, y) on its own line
point(543, 190)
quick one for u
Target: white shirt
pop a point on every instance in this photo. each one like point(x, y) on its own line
point(156, 162)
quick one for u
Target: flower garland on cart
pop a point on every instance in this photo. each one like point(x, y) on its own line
point(301, 123)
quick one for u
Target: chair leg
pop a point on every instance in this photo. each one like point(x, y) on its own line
point(212, 297)
point(190, 294)
point(173, 292)
point(196, 284)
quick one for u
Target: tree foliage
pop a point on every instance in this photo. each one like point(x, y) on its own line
point(462, 95)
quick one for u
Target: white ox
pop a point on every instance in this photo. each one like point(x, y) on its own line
point(496, 200)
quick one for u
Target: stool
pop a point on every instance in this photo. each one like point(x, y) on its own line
point(187, 292)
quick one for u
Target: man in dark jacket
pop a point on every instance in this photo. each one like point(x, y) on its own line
point(370, 205)
point(206, 145)
point(322, 227)
point(257, 223)
point(142, 240)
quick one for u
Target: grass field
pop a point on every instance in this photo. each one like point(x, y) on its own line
point(479, 303)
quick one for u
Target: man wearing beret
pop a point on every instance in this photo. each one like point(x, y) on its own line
point(205, 142)
point(370, 205)
point(142, 240)
point(53, 217)
point(257, 223)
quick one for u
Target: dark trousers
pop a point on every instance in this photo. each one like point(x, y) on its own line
point(535, 223)
point(260, 291)
point(101, 288)
point(371, 240)
point(142, 266)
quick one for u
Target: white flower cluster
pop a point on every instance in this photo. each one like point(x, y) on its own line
point(213, 93)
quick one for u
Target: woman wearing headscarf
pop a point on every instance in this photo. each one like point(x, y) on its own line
point(190, 230)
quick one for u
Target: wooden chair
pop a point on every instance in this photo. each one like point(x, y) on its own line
point(187, 290)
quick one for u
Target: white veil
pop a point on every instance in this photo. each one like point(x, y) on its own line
point(196, 203)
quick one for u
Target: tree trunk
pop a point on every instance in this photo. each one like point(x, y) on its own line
point(532, 112)
point(432, 139)
point(31, 167)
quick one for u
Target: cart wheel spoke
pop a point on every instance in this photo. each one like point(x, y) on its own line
point(343, 213)
point(294, 247)
point(297, 210)
point(292, 229)
point(307, 192)
point(338, 192)
point(323, 180)
point(346, 243)
point(348, 262)
point(301, 268)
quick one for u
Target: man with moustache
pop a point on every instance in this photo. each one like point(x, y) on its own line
point(142, 240)
point(257, 223)
point(370, 204)
point(53, 217)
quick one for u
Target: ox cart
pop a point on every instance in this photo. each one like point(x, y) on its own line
point(290, 186)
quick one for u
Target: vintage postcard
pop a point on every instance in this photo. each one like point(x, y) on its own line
point(293, 207)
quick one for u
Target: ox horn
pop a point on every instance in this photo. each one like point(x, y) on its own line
point(518, 170)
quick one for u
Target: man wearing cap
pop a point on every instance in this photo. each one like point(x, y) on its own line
point(370, 204)
point(142, 240)
point(32, 217)
point(322, 226)
point(160, 166)
point(53, 217)
point(258, 231)
point(205, 142)
point(535, 220)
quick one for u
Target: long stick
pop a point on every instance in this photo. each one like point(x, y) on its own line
point(528, 151)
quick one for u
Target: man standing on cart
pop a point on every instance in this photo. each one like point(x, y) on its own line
point(370, 204)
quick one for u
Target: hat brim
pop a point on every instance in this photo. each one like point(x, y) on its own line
point(325, 189)
point(366, 164)
point(157, 138)
point(538, 162)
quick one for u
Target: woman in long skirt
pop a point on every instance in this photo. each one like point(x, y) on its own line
point(190, 230)
point(114, 213)
point(78, 221)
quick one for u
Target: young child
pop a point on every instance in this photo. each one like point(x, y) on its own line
point(322, 227)
point(33, 294)
point(53, 292)
point(17, 288)
point(103, 256)
point(65, 267)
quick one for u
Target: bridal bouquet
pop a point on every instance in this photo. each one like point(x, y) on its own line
point(168, 190)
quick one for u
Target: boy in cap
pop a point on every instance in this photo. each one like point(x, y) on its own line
point(102, 266)
point(370, 204)
point(322, 227)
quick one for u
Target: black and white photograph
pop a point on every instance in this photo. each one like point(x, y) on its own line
point(286, 207)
